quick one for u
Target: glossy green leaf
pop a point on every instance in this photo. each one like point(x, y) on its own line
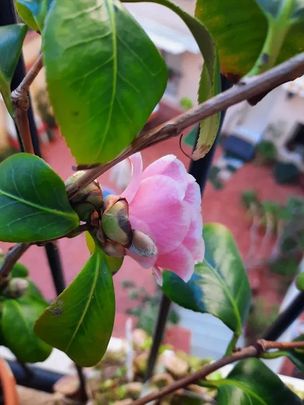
point(11, 40)
point(219, 286)
point(80, 321)
point(209, 127)
point(241, 45)
point(34, 205)
point(17, 326)
point(251, 382)
point(100, 65)
point(235, 32)
point(114, 263)
point(300, 281)
point(33, 12)
point(210, 83)
point(90, 242)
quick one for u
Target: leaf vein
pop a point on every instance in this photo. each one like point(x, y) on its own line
point(87, 305)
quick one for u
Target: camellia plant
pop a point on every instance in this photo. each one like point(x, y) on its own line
point(104, 78)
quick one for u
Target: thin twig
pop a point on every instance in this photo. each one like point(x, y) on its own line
point(15, 252)
point(262, 84)
point(11, 258)
point(22, 122)
point(256, 350)
point(30, 76)
point(21, 104)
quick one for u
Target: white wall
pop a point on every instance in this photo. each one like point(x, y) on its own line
point(249, 121)
point(191, 71)
point(209, 336)
point(288, 111)
point(190, 63)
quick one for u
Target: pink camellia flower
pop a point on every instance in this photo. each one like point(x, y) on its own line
point(165, 204)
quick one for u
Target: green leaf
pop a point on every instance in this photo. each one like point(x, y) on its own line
point(17, 326)
point(18, 269)
point(296, 355)
point(80, 321)
point(114, 263)
point(11, 40)
point(251, 382)
point(34, 206)
point(33, 12)
point(104, 76)
point(300, 281)
point(243, 48)
point(233, 28)
point(210, 83)
point(219, 286)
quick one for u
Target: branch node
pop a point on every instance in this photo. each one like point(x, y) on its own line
point(261, 346)
point(20, 99)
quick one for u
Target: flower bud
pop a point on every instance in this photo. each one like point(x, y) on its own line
point(115, 223)
point(88, 199)
point(142, 245)
point(113, 249)
point(16, 287)
point(165, 202)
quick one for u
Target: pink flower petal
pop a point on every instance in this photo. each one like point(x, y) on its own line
point(194, 241)
point(180, 261)
point(165, 204)
point(169, 166)
point(159, 205)
point(137, 167)
point(157, 273)
point(193, 195)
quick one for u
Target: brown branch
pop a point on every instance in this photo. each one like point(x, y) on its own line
point(251, 351)
point(21, 104)
point(16, 251)
point(11, 258)
point(23, 126)
point(289, 70)
point(29, 78)
point(255, 86)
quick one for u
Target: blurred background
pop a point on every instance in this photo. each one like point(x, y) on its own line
point(255, 188)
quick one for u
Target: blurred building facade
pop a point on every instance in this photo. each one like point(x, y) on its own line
point(175, 42)
point(278, 118)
